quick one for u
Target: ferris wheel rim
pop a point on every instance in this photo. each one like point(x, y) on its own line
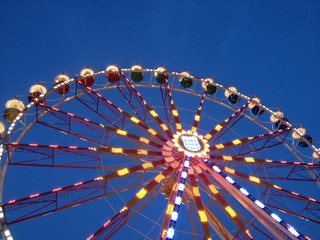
point(152, 71)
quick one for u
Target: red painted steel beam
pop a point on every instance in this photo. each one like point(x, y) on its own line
point(276, 170)
point(140, 106)
point(293, 203)
point(54, 156)
point(110, 227)
point(70, 124)
point(250, 145)
point(132, 98)
point(220, 129)
point(41, 204)
point(99, 105)
point(166, 103)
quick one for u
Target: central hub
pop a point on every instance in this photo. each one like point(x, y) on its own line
point(191, 144)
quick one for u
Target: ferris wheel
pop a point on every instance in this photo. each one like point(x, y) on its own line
point(152, 154)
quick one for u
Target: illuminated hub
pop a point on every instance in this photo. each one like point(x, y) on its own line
point(191, 144)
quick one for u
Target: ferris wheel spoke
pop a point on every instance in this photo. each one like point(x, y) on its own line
point(252, 144)
point(175, 198)
point(53, 156)
point(293, 203)
point(68, 124)
point(243, 231)
point(111, 226)
point(253, 179)
point(199, 204)
point(132, 98)
point(288, 171)
point(271, 221)
point(99, 105)
point(117, 150)
point(88, 130)
point(220, 129)
point(242, 235)
point(59, 156)
point(198, 114)
point(139, 168)
point(107, 229)
point(41, 204)
point(60, 198)
point(277, 170)
point(168, 100)
point(217, 225)
point(284, 200)
point(142, 105)
point(167, 106)
point(119, 220)
point(233, 216)
point(118, 117)
point(192, 219)
point(221, 228)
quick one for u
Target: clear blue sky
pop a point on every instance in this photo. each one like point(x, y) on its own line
point(266, 48)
